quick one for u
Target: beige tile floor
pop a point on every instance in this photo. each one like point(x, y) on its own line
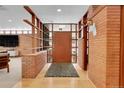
point(54, 82)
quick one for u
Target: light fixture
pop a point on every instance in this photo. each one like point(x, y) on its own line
point(90, 22)
point(59, 10)
point(9, 20)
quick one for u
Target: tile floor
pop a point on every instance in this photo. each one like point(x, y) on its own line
point(56, 82)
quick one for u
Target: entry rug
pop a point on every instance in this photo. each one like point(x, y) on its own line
point(61, 70)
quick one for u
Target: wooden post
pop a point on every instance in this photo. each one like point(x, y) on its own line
point(41, 35)
point(38, 34)
point(33, 34)
point(85, 57)
point(122, 49)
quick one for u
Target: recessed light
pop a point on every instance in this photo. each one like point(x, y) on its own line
point(9, 20)
point(59, 10)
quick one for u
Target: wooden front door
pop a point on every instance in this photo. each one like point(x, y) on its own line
point(62, 47)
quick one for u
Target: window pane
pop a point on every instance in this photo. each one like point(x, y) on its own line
point(73, 27)
point(25, 32)
point(74, 51)
point(1, 32)
point(74, 58)
point(19, 32)
point(73, 35)
point(61, 28)
point(13, 32)
point(7, 32)
point(74, 43)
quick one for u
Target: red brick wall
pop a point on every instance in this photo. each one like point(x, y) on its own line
point(25, 42)
point(33, 63)
point(80, 53)
point(103, 68)
point(97, 50)
point(113, 46)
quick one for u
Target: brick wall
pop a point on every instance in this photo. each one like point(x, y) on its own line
point(113, 46)
point(25, 41)
point(97, 50)
point(103, 68)
point(80, 53)
point(33, 63)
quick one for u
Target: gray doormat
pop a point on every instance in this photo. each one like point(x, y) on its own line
point(61, 70)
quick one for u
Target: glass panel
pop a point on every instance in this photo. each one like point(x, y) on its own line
point(74, 51)
point(19, 32)
point(50, 35)
point(30, 32)
point(50, 42)
point(35, 31)
point(74, 43)
point(1, 32)
point(73, 35)
point(73, 27)
point(61, 27)
point(74, 58)
point(25, 32)
point(50, 27)
point(7, 32)
point(74, 54)
point(13, 32)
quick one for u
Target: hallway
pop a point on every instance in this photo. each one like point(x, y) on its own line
point(46, 35)
point(61, 46)
point(55, 82)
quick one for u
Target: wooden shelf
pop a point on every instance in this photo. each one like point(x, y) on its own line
point(39, 36)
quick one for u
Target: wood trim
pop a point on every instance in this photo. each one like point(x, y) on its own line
point(38, 38)
point(28, 9)
point(38, 33)
point(121, 79)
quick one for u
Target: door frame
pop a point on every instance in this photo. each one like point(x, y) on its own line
point(121, 77)
point(85, 38)
point(71, 30)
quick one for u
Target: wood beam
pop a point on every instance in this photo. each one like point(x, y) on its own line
point(33, 33)
point(28, 22)
point(28, 9)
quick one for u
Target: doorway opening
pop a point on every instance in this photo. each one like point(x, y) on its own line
point(60, 28)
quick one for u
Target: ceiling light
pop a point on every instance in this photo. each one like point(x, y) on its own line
point(59, 10)
point(9, 20)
